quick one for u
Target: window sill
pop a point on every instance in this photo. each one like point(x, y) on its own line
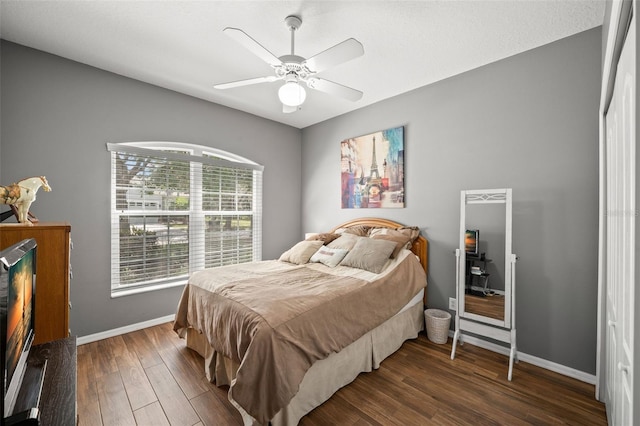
point(115, 293)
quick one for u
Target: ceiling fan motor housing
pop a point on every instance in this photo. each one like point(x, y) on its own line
point(292, 64)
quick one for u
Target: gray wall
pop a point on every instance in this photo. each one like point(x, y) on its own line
point(528, 122)
point(57, 116)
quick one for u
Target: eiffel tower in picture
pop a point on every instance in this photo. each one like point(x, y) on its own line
point(374, 184)
point(374, 163)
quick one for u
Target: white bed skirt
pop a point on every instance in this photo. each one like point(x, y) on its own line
point(326, 376)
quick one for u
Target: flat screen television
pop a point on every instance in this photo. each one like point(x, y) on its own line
point(17, 313)
point(471, 241)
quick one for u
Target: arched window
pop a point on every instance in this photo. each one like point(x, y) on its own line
point(177, 208)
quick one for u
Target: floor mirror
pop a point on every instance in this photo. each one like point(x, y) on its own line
point(485, 270)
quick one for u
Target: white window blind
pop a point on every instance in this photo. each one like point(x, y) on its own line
point(179, 208)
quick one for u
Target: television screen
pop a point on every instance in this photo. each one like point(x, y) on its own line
point(17, 306)
point(471, 240)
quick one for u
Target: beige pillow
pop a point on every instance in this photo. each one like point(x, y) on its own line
point(301, 252)
point(326, 237)
point(412, 232)
point(402, 238)
point(346, 241)
point(369, 254)
point(359, 230)
point(329, 256)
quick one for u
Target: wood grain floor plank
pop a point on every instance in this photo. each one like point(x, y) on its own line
point(138, 342)
point(114, 403)
point(175, 405)
point(390, 407)
point(136, 383)
point(192, 358)
point(177, 341)
point(337, 411)
point(87, 392)
point(213, 412)
point(391, 384)
point(103, 360)
point(368, 405)
point(151, 415)
point(117, 346)
point(82, 349)
point(161, 337)
point(190, 383)
point(222, 393)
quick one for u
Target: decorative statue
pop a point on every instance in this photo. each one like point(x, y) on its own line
point(22, 194)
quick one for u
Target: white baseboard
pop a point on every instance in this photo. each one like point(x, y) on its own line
point(123, 330)
point(534, 360)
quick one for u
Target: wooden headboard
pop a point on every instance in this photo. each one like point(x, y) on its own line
point(419, 247)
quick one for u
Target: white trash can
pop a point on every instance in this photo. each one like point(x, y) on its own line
point(437, 324)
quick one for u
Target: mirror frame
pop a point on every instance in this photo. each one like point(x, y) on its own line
point(486, 196)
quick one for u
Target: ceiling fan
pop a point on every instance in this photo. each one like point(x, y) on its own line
point(295, 70)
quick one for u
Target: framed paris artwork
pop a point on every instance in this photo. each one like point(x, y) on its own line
point(372, 170)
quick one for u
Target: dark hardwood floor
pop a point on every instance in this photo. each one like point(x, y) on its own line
point(148, 377)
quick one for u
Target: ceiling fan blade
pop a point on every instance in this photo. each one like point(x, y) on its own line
point(289, 109)
point(253, 46)
point(334, 89)
point(338, 54)
point(239, 83)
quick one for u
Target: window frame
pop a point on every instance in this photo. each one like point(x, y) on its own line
point(197, 156)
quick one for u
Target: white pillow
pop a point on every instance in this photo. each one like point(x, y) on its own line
point(329, 256)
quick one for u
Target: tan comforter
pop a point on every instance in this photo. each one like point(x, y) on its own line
point(276, 319)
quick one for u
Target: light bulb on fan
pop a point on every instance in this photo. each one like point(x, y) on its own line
point(292, 93)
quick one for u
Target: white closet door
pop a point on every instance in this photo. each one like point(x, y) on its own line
point(621, 189)
point(613, 284)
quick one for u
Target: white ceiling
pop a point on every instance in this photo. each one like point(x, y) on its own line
point(180, 45)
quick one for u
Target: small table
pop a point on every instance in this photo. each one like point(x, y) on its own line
point(483, 276)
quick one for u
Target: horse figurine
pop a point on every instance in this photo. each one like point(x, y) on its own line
point(22, 194)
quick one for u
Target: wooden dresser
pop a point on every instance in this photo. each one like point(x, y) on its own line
point(52, 274)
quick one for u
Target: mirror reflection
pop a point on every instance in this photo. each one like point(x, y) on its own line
point(485, 260)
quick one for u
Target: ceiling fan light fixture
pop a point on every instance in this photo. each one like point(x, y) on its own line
point(295, 69)
point(292, 94)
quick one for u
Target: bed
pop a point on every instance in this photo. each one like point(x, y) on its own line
point(285, 335)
